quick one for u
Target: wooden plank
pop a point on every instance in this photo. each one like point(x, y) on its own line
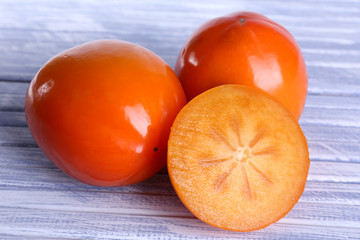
point(334, 151)
point(327, 134)
point(26, 237)
point(162, 206)
point(12, 102)
point(319, 110)
point(334, 55)
point(12, 98)
point(15, 117)
point(320, 169)
point(319, 188)
point(99, 201)
point(331, 144)
point(331, 193)
point(86, 225)
point(331, 134)
point(331, 117)
point(26, 157)
point(321, 84)
point(276, 11)
point(330, 172)
point(333, 101)
point(16, 136)
point(12, 119)
point(13, 88)
point(54, 179)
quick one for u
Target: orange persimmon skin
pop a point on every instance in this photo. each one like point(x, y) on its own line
point(102, 111)
point(237, 158)
point(244, 48)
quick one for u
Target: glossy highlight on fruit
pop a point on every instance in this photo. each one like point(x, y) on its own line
point(102, 111)
point(244, 48)
point(237, 158)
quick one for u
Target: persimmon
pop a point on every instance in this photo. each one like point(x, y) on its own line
point(102, 111)
point(237, 158)
point(249, 49)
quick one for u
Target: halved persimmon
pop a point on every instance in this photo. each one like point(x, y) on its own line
point(237, 158)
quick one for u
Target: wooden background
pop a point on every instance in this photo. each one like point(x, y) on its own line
point(38, 201)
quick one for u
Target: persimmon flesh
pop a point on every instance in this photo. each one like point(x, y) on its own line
point(244, 48)
point(237, 158)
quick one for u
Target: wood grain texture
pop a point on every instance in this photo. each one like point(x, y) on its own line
point(325, 143)
point(92, 225)
point(324, 110)
point(49, 177)
point(38, 201)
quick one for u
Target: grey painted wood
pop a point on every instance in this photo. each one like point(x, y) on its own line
point(113, 226)
point(324, 144)
point(43, 173)
point(332, 214)
point(313, 133)
point(321, 169)
point(324, 110)
point(38, 201)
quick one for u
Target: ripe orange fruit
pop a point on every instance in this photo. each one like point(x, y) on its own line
point(237, 158)
point(244, 48)
point(102, 111)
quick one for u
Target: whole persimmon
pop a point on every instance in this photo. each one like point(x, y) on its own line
point(102, 111)
point(249, 49)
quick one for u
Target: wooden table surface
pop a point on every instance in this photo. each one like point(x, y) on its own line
point(38, 201)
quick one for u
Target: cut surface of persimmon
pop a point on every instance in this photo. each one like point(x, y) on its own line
point(237, 159)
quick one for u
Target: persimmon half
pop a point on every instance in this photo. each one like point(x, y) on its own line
point(244, 48)
point(237, 158)
point(102, 111)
